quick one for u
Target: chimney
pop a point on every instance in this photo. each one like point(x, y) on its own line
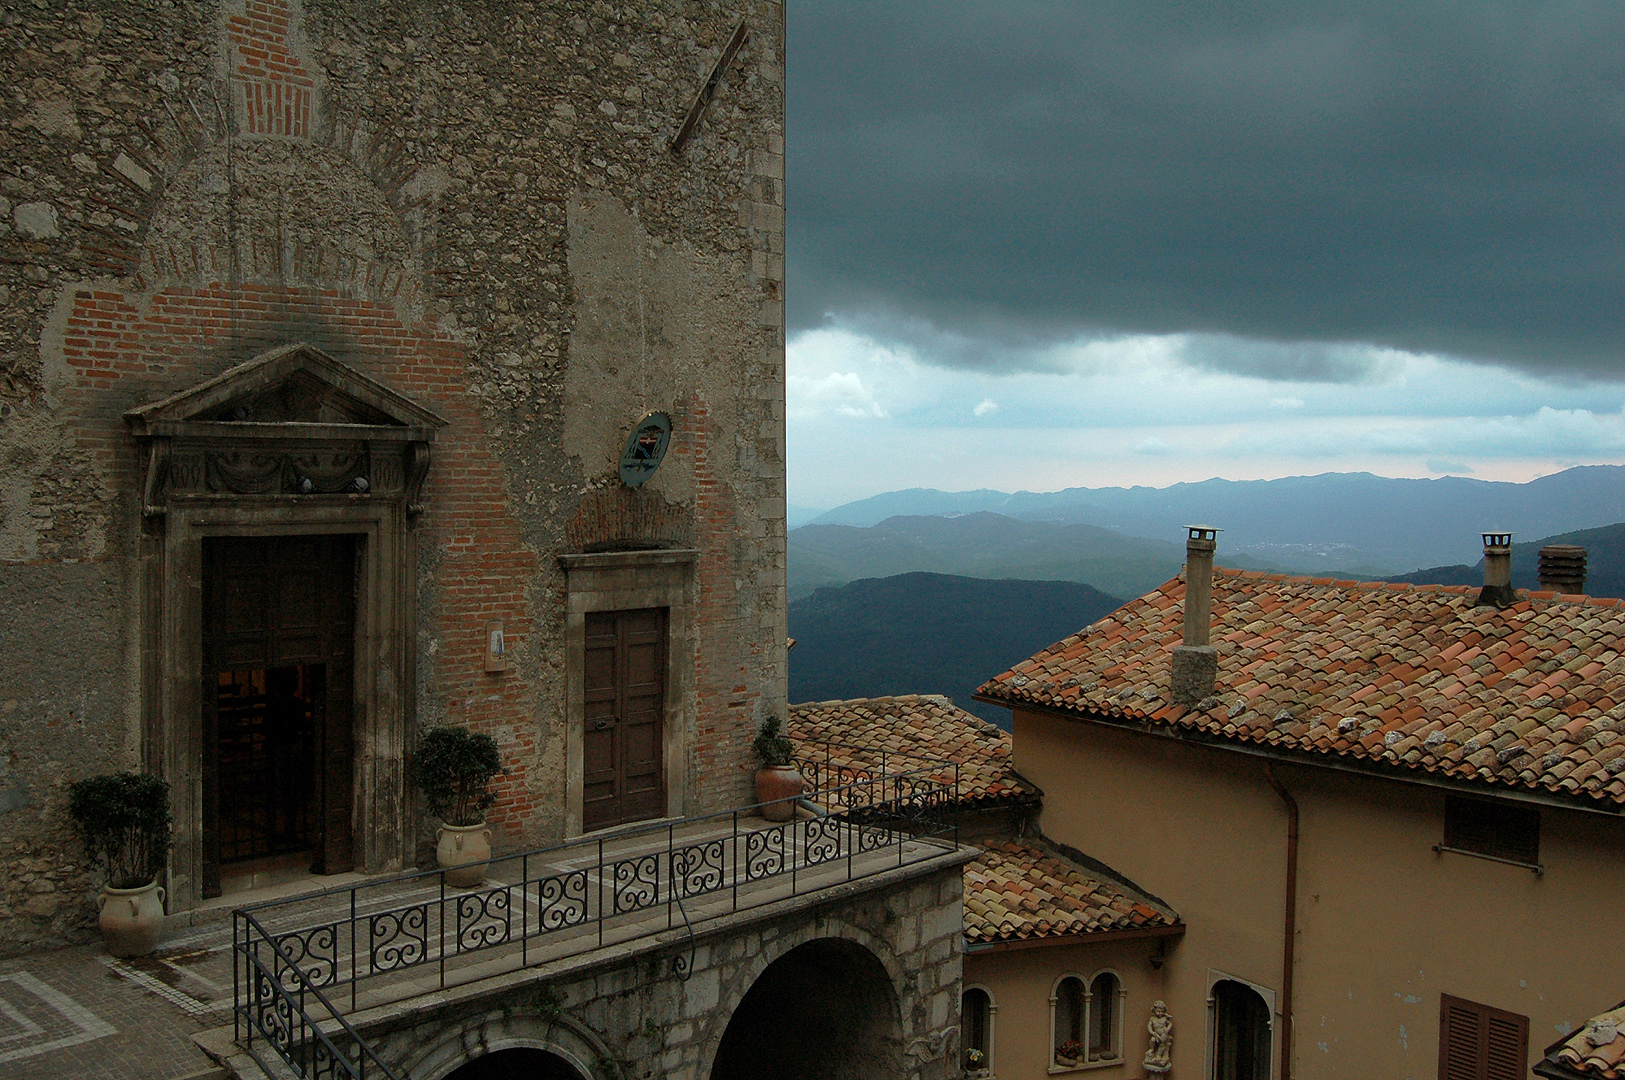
point(1497, 590)
point(1563, 568)
point(1195, 663)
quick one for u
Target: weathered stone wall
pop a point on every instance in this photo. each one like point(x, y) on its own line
point(473, 203)
point(632, 1017)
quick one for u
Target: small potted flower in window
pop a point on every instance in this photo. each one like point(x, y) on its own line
point(975, 1063)
point(453, 769)
point(124, 820)
point(1069, 1054)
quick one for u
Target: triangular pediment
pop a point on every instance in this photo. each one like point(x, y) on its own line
point(293, 386)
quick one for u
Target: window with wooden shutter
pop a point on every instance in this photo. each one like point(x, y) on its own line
point(1480, 1042)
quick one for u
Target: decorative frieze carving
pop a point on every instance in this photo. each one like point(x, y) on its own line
point(280, 472)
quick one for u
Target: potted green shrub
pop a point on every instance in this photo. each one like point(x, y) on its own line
point(453, 768)
point(778, 783)
point(124, 821)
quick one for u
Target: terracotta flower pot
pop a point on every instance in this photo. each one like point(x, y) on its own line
point(132, 920)
point(463, 852)
point(777, 789)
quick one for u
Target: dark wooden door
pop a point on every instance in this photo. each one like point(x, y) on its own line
point(623, 741)
point(1241, 1032)
point(278, 645)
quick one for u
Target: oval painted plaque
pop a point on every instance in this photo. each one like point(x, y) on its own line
point(645, 448)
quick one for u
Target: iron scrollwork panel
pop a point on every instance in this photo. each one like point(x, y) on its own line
point(764, 853)
point(636, 883)
point(561, 900)
point(271, 1008)
point(484, 920)
point(398, 939)
point(821, 840)
point(314, 952)
point(699, 868)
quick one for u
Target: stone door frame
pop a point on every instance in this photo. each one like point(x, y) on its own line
point(623, 581)
point(381, 713)
point(191, 495)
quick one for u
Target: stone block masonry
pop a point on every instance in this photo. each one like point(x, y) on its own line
point(473, 204)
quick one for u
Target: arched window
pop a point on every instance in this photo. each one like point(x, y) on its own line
point(976, 1022)
point(1069, 1022)
point(1086, 1021)
point(1105, 1018)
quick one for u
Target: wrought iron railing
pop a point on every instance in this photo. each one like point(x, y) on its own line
point(275, 1005)
point(568, 899)
point(830, 766)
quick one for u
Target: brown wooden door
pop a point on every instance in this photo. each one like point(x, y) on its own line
point(278, 645)
point(623, 741)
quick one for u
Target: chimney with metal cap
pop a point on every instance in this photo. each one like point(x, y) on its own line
point(1563, 568)
point(1195, 663)
point(1497, 590)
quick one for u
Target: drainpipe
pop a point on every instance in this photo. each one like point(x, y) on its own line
point(1290, 931)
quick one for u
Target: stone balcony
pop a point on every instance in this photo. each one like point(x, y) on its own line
point(355, 981)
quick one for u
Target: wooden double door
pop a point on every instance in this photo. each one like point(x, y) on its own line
point(278, 652)
point(623, 736)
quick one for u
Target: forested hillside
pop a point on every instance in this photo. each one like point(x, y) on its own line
point(929, 633)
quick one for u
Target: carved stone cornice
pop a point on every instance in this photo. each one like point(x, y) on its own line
point(292, 423)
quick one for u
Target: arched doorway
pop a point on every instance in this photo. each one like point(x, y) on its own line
point(516, 1063)
point(825, 1009)
point(1241, 1032)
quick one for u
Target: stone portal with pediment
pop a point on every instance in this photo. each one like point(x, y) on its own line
point(277, 612)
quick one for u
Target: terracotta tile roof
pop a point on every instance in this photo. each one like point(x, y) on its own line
point(1413, 677)
point(1597, 1049)
point(1022, 890)
point(913, 729)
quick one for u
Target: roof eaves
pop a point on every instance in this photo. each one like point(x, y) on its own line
point(1339, 762)
point(1088, 937)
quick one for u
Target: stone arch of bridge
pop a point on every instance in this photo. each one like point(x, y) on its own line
point(555, 1047)
point(826, 1007)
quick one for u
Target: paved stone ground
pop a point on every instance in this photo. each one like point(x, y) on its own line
point(78, 1013)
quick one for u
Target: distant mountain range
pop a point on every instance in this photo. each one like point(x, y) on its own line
point(983, 545)
point(1605, 563)
point(929, 634)
point(1355, 523)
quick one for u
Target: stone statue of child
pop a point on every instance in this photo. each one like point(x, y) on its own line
point(1161, 1028)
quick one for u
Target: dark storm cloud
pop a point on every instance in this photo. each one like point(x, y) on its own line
point(1431, 176)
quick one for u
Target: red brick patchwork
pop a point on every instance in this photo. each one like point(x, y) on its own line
point(276, 90)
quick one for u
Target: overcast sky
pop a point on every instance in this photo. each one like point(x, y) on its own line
point(1037, 245)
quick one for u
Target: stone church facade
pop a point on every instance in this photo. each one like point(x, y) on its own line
point(366, 301)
